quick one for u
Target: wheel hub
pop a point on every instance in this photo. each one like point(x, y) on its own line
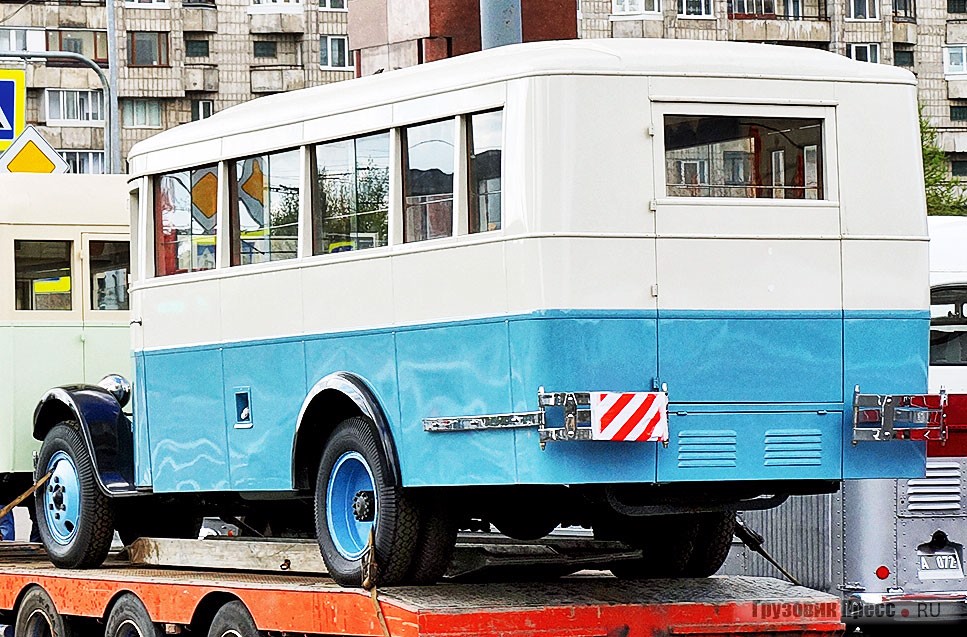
point(364, 509)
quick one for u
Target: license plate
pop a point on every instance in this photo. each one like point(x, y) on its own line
point(939, 565)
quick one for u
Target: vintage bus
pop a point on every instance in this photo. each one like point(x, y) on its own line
point(64, 251)
point(633, 285)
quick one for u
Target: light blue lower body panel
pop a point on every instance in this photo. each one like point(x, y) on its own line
point(884, 355)
point(754, 388)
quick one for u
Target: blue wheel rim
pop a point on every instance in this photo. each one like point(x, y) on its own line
point(350, 475)
point(62, 498)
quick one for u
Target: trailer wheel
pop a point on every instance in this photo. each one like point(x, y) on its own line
point(434, 548)
point(129, 618)
point(353, 496)
point(37, 616)
point(74, 516)
point(233, 620)
point(712, 543)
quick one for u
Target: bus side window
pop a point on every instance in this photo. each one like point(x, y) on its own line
point(110, 262)
point(265, 208)
point(43, 275)
point(350, 201)
point(428, 180)
point(485, 135)
point(184, 209)
point(735, 156)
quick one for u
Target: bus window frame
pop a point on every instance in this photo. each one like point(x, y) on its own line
point(88, 308)
point(42, 233)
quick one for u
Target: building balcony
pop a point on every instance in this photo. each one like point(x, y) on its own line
point(277, 23)
point(200, 16)
point(201, 77)
point(779, 20)
point(276, 79)
point(956, 87)
point(956, 31)
point(904, 32)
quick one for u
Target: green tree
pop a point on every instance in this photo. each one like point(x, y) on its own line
point(945, 194)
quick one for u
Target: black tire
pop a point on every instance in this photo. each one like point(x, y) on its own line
point(397, 524)
point(86, 542)
point(666, 544)
point(519, 526)
point(713, 540)
point(437, 540)
point(233, 620)
point(36, 615)
point(142, 517)
point(129, 618)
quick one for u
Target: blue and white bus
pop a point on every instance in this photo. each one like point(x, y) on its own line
point(633, 285)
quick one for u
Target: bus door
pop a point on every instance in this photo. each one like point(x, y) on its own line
point(750, 330)
point(105, 265)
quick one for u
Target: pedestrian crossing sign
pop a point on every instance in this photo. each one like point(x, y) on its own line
point(12, 98)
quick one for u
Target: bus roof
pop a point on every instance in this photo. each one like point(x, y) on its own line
point(631, 56)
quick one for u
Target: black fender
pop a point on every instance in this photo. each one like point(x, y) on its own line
point(106, 431)
point(356, 390)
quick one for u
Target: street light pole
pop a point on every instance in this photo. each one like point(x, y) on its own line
point(110, 160)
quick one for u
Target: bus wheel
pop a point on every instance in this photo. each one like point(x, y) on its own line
point(129, 618)
point(666, 544)
point(37, 616)
point(713, 539)
point(74, 516)
point(233, 620)
point(437, 539)
point(353, 497)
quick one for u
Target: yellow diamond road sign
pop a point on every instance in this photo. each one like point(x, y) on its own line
point(30, 153)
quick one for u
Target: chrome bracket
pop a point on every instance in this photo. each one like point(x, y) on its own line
point(885, 417)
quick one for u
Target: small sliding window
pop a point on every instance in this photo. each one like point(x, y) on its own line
point(185, 203)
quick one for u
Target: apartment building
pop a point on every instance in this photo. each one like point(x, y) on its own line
point(173, 61)
point(928, 37)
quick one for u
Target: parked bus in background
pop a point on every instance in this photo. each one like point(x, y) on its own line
point(894, 549)
point(586, 282)
point(64, 262)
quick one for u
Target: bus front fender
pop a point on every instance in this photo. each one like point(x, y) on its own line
point(104, 427)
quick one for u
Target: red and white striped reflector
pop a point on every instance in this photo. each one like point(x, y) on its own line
point(631, 417)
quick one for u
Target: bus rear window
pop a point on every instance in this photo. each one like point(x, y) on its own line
point(751, 157)
point(184, 211)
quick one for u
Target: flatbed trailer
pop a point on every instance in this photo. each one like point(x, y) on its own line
point(588, 604)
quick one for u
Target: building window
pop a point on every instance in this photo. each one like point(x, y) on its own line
point(862, 9)
point(428, 180)
point(195, 48)
point(147, 48)
point(92, 44)
point(350, 200)
point(265, 48)
point(757, 7)
point(903, 58)
point(184, 218)
point(485, 133)
point(141, 113)
point(955, 59)
point(958, 113)
point(22, 40)
point(109, 261)
point(66, 107)
point(85, 162)
point(42, 271)
point(958, 168)
point(265, 207)
point(335, 5)
point(334, 52)
point(905, 10)
point(201, 109)
point(956, 6)
point(864, 52)
point(698, 8)
point(634, 7)
point(752, 157)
